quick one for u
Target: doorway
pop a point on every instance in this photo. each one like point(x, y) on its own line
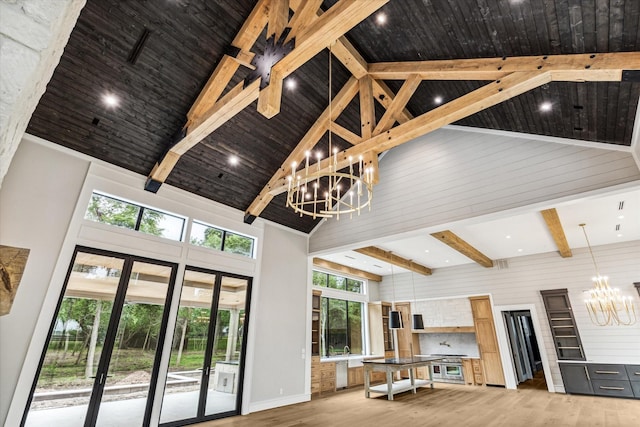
point(205, 375)
point(104, 345)
point(526, 356)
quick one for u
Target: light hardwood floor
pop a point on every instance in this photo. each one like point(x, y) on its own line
point(448, 405)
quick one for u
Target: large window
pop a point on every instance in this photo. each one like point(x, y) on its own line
point(342, 331)
point(220, 239)
point(109, 210)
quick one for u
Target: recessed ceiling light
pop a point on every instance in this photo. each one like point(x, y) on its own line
point(381, 18)
point(508, 236)
point(110, 100)
point(290, 83)
point(620, 216)
point(233, 160)
point(519, 250)
point(446, 260)
point(437, 100)
point(546, 106)
point(426, 250)
point(619, 235)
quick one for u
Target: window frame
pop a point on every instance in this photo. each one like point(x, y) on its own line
point(350, 296)
point(142, 208)
point(223, 238)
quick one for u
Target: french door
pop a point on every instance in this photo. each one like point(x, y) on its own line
point(204, 379)
point(101, 359)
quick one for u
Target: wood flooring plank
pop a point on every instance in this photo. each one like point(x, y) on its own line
point(448, 405)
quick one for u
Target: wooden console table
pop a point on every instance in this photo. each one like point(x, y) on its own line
point(389, 366)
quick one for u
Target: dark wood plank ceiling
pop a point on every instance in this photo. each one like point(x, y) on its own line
point(186, 39)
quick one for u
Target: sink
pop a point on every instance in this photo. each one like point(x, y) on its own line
point(354, 361)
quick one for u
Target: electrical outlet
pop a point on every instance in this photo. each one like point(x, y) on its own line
point(281, 392)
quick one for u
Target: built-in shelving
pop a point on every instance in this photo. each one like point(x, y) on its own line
point(315, 323)
point(563, 326)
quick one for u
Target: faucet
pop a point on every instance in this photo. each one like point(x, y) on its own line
point(331, 351)
point(445, 343)
point(346, 350)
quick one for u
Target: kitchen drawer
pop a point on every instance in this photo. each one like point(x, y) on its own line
point(635, 386)
point(633, 371)
point(600, 371)
point(328, 386)
point(328, 375)
point(618, 388)
point(328, 366)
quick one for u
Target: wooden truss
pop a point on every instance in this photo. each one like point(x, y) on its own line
point(311, 30)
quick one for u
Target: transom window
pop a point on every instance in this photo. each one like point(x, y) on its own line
point(327, 280)
point(112, 211)
point(220, 239)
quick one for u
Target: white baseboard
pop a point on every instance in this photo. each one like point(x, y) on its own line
point(275, 403)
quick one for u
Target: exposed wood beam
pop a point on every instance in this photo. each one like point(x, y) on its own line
point(367, 108)
point(397, 105)
point(342, 49)
point(557, 232)
point(345, 134)
point(350, 57)
point(319, 262)
point(305, 13)
point(451, 239)
point(318, 34)
point(477, 100)
point(334, 23)
point(384, 95)
point(382, 255)
point(308, 141)
point(580, 67)
point(228, 65)
point(278, 18)
point(228, 106)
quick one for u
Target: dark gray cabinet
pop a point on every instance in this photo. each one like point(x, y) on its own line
point(601, 379)
point(633, 372)
point(576, 378)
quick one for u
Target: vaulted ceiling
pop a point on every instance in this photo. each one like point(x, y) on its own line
point(157, 57)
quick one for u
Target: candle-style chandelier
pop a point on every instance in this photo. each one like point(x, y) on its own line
point(328, 192)
point(605, 304)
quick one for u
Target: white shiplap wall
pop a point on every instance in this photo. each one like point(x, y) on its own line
point(521, 283)
point(451, 175)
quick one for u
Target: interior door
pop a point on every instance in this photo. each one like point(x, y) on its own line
point(520, 348)
point(82, 366)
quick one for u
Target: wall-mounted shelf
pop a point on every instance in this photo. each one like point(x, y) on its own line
point(445, 330)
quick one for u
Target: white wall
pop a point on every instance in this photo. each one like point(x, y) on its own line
point(522, 282)
point(42, 205)
point(282, 354)
point(450, 175)
point(37, 200)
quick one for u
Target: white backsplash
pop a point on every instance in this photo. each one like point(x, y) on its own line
point(444, 312)
point(458, 343)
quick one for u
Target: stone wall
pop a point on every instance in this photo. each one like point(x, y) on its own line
point(33, 34)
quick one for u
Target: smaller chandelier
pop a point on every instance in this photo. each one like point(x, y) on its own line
point(328, 192)
point(605, 304)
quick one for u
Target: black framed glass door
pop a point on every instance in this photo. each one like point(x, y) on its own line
point(204, 379)
point(101, 359)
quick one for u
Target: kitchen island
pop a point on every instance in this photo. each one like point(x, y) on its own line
point(389, 366)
